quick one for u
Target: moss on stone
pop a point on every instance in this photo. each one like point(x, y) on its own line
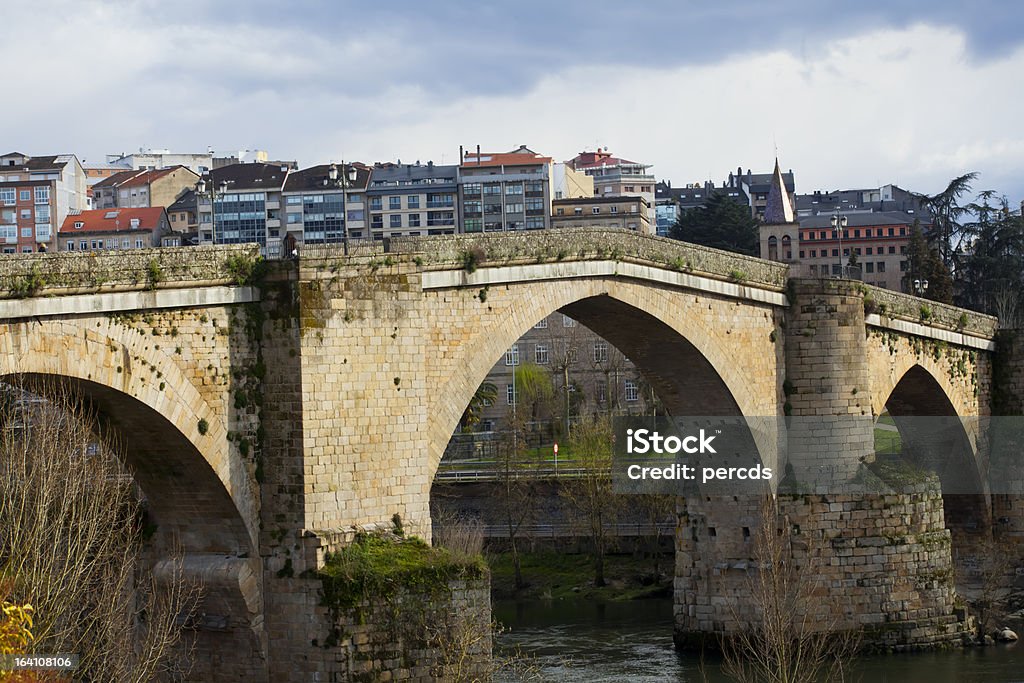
point(377, 566)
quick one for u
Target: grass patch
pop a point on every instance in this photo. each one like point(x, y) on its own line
point(887, 441)
point(556, 576)
point(378, 566)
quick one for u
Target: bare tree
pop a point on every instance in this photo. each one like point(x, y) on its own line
point(588, 494)
point(791, 634)
point(515, 491)
point(71, 541)
point(988, 587)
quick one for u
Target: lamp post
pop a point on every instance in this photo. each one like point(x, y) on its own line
point(838, 227)
point(338, 179)
point(920, 287)
point(214, 191)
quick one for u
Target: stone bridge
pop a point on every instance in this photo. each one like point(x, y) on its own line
point(270, 410)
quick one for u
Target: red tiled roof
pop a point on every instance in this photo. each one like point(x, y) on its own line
point(505, 159)
point(112, 220)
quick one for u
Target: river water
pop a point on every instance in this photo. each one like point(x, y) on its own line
point(578, 640)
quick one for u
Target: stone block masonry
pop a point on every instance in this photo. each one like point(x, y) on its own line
point(272, 420)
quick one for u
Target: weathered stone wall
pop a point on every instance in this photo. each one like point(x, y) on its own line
point(827, 388)
point(104, 271)
point(577, 244)
point(409, 637)
point(881, 563)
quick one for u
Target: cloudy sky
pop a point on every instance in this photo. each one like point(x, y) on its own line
point(851, 94)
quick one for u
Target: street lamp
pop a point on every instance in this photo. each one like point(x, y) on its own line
point(920, 287)
point(838, 227)
point(212, 196)
point(342, 180)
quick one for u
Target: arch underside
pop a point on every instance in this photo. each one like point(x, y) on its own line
point(934, 437)
point(185, 498)
point(674, 360)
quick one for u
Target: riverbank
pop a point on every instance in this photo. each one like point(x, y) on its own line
point(556, 576)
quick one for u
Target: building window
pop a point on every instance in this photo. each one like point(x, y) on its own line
point(138, 244)
point(541, 325)
point(42, 195)
point(25, 195)
point(510, 394)
point(632, 392)
point(578, 211)
point(567, 321)
point(903, 266)
point(412, 201)
point(892, 250)
point(7, 196)
point(596, 210)
point(601, 352)
point(869, 267)
point(540, 354)
point(512, 355)
point(601, 392)
point(881, 266)
point(414, 220)
point(615, 209)
point(394, 203)
point(376, 204)
point(395, 220)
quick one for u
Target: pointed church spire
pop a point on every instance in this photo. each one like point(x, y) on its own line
point(779, 209)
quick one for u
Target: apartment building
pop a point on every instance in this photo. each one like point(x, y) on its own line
point(324, 202)
point(879, 242)
point(613, 175)
point(623, 212)
point(136, 189)
point(240, 204)
point(504, 191)
point(413, 199)
point(36, 195)
point(152, 159)
point(183, 214)
point(113, 229)
point(599, 378)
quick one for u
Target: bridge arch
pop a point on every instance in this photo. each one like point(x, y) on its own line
point(710, 356)
point(175, 444)
point(935, 436)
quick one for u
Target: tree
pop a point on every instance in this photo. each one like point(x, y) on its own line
point(924, 263)
point(516, 490)
point(722, 223)
point(948, 233)
point(589, 494)
point(991, 275)
point(484, 395)
point(791, 637)
point(71, 545)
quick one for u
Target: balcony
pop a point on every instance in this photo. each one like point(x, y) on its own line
point(273, 222)
point(450, 204)
point(273, 204)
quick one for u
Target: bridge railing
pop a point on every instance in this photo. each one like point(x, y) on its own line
point(892, 304)
point(25, 275)
point(443, 252)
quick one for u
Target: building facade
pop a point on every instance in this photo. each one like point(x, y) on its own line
point(152, 159)
point(600, 379)
point(137, 189)
point(36, 195)
point(624, 212)
point(114, 229)
point(614, 176)
point(241, 204)
point(413, 199)
point(320, 209)
point(504, 191)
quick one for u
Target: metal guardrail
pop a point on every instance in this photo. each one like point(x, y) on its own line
point(490, 474)
point(565, 529)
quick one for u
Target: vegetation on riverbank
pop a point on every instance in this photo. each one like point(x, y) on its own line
point(554, 576)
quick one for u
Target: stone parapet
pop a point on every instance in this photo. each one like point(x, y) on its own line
point(25, 275)
point(578, 244)
point(890, 304)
